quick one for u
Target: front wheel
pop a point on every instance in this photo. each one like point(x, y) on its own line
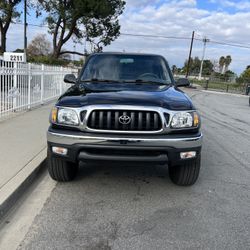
point(61, 170)
point(187, 173)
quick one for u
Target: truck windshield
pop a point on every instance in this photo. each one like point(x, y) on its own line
point(127, 69)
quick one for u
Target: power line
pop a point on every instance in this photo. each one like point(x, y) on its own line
point(212, 36)
point(31, 24)
point(156, 36)
point(240, 45)
point(231, 44)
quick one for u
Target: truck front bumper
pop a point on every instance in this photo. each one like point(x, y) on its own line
point(123, 148)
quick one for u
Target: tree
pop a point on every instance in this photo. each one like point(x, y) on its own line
point(195, 64)
point(224, 62)
point(228, 60)
point(174, 69)
point(221, 64)
point(39, 46)
point(207, 67)
point(246, 74)
point(8, 13)
point(19, 50)
point(97, 20)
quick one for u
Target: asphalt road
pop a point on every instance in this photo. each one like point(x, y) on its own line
point(139, 208)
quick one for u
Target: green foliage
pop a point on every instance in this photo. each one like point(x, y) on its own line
point(8, 10)
point(8, 13)
point(95, 19)
point(228, 60)
point(195, 64)
point(19, 50)
point(47, 60)
point(224, 77)
point(245, 76)
point(224, 62)
point(207, 68)
point(104, 28)
point(174, 69)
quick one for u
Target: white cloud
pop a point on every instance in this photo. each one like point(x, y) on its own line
point(140, 3)
point(173, 18)
point(240, 5)
point(180, 18)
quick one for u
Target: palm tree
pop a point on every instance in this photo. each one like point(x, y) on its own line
point(222, 63)
point(228, 60)
point(174, 69)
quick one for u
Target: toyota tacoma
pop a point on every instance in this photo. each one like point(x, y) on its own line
point(125, 108)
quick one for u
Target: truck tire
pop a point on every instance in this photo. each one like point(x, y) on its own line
point(185, 174)
point(61, 170)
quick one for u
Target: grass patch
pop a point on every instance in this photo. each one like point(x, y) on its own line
point(223, 86)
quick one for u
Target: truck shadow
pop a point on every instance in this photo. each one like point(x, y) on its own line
point(140, 172)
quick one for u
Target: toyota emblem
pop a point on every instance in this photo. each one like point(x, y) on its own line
point(124, 119)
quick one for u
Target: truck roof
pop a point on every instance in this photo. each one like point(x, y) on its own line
point(125, 53)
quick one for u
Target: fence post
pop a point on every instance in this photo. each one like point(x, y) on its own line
point(29, 85)
point(42, 84)
point(14, 87)
point(206, 86)
point(61, 80)
point(227, 87)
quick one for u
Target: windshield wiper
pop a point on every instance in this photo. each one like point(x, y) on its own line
point(99, 80)
point(141, 81)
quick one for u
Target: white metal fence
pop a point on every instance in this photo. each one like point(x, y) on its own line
point(26, 85)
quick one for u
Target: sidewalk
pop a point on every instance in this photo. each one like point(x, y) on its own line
point(22, 148)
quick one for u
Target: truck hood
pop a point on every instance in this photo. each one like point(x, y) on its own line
point(170, 98)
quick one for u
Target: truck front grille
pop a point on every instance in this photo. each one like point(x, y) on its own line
point(124, 120)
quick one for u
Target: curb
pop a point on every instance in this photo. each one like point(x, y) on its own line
point(224, 93)
point(13, 190)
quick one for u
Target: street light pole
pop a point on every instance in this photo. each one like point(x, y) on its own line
point(205, 40)
point(25, 27)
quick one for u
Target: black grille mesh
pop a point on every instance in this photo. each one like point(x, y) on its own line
point(109, 120)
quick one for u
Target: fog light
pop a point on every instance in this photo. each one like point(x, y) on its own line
point(59, 150)
point(188, 155)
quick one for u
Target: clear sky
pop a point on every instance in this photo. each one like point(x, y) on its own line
point(223, 20)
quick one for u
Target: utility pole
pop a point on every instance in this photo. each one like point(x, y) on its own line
point(205, 41)
point(25, 27)
point(74, 51)
point(190, 53)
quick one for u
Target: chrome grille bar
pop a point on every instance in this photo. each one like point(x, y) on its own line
point(138, 120)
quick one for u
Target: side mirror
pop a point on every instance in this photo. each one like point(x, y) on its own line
point(182, 82)
point(70, 78)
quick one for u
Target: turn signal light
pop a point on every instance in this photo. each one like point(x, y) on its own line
point(196, 120)
point(54, 115)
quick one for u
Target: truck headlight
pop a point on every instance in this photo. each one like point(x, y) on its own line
point(65, 116)
point(185, 120)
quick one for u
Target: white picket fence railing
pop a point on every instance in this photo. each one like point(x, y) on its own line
point(26, 85)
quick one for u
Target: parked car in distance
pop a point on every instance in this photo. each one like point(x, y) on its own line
point(125, 108)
